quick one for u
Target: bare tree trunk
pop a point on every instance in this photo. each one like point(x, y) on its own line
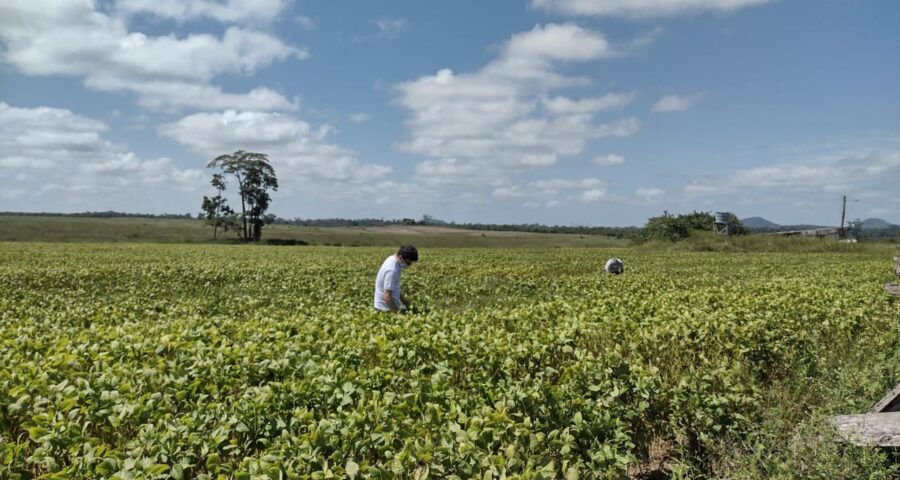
point(243, 210)
point(244, 220)
point(218, 207)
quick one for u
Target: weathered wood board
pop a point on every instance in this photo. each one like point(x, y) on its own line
point(871, 429)
point(892, 288)
point(890, 402)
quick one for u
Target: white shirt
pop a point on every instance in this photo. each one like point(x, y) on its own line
point(614, 265)
point(388, 279)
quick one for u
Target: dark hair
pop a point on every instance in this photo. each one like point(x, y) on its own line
point(409, 252)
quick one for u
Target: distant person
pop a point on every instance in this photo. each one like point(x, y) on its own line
point(388, 296)
point(614, 266)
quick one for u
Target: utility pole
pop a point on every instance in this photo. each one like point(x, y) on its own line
point(843, 211)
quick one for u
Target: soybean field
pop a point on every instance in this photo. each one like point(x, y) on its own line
point(230, 361)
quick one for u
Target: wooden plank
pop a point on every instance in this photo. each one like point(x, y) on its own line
point(870, 430)
point(890, 402)
point(892, 288)
point(897, 266)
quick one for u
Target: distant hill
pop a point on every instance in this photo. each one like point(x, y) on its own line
point(759, 223)
point(875, 224)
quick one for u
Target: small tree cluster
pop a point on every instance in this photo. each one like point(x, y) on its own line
point(254, 177)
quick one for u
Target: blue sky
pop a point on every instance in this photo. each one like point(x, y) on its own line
point(574, 112)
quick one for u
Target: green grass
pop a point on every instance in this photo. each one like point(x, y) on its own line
point(23, 228)
point(150, 230)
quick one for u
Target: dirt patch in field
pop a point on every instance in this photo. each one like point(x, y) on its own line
point(658, 464)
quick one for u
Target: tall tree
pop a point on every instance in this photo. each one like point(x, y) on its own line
point(214, 207)
point(255, 177)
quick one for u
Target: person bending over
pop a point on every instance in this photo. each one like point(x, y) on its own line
point(614, 266)
point(388, 294)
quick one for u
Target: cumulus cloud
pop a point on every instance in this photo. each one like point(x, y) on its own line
point(609, 160)
point(647, 38)
point(841, 173)
point(552, 191)
point(675, 103)
point(642, 8)
point(611, 101)
point(485, 127)
point(557, 184)
point(51, 37)
point(300, 153)
point(390, 26)
point(359, 117)
point(306, 23)
point(24, 163)
point(70, 154)
point(389, 192)
point(229, 11)
point(649, 194)
point(385, 28)
point(593, 195)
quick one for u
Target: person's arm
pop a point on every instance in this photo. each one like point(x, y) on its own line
point(405, 300)
point(388, 297)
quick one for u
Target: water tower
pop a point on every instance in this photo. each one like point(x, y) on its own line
point(721, 224)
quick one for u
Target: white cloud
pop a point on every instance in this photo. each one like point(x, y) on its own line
point(47, 37)
point(647, 38)
point(609, 160)
point(359, 117)
point(642, 8)
point(562, 105)
point(649, 194)
point(450, 171)
point(385, 28)
point(306, 23)
point(25, 163)
point(13, 193)
point(552, 42)
point(552, 191)
point(46, 129)
point(704, 188)
point(834, 174)
point(675, 103)
point(483, 128)
point(65, 152)
point(390, 26)
point(175, 95)
point(301, 155)
point(559, 184)
point(593, 195)
point(388, 192)
point(625, 127)
point(229, 11)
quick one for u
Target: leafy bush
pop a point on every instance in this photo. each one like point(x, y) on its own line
point(675, 228)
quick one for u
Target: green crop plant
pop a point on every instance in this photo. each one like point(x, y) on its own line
point(221, 361)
